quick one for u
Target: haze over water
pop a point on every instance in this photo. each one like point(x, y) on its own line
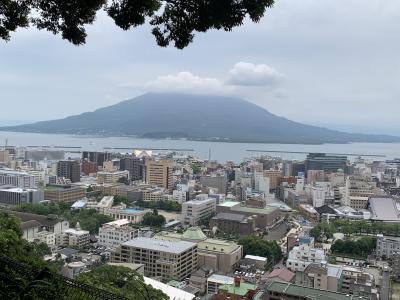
point(221, 152)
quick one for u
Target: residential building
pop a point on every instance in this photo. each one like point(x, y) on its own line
point(89, 167)
point(15, 196)
point(64, 193)
point(238, 290)
point(215, 281)
point(358, 190)
point(17, 179)
point(111, 177)
point(275, 178)
point(69, 169)
point(47, 237)
point(280, 274)
point(301, 256)
point(73, 237)
point(198, 209)
point(115, 233)
point(159, 173)
point(162, 259)
point(386, 246)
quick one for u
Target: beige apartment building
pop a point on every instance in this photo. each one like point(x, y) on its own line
point(159, 173)
point(164, 260)
point(111, 177)
point(64, 193)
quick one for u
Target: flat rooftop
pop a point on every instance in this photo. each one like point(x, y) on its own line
point(176, 247)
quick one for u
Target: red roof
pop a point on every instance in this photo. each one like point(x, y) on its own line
point(283, 274)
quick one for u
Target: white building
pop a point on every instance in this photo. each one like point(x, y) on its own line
point(386, 246)
point(17, 179)
point(195, 210)
point(133, 215)
point(73, 237)
point(301, 256)
point(115, 233)
point(47, 237)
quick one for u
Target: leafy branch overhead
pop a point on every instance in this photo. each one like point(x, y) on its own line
point(172, 21)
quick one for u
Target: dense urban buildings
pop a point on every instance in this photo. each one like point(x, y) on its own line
point(159, 172)
point(69, 169)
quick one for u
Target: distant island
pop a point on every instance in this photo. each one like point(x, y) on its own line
point(195, 117)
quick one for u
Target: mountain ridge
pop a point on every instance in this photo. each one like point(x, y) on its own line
point(195, 117)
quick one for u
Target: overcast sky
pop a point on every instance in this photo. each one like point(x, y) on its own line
point(334, 63)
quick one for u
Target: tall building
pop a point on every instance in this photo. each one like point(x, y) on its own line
point(327, 163)
point(134, 165)
point(162, 259)
point(159, 172)
point(217, 181)
point(358, 190)
point(65, 193)
point(97, 157)
point(70, 169)
point(89, 167)
point(195, 210)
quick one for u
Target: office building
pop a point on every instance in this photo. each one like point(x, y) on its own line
point(97, 157)
point(264, 217)
point(113, 234)
point(218, 255)
point(159, 173)
point(162, 259)
point(17, 179)
point(358, 190)
point(64, 193)
point(217, 181)
point(198, 209)
point(386, 246)
point(233, 224)
point(15, 196)
point(327, 163)
point(111, 177)
point(69, 169)
point(134, 165)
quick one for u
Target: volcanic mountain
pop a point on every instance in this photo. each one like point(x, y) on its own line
point(195, 117)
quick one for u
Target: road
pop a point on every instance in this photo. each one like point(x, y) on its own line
point(385, 287)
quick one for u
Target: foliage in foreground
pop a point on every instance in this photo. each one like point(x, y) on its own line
point(171, 20)
point(122, 281)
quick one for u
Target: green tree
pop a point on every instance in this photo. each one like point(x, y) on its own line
point(153, 219)
point(173, 21)
point(254, 245)
point(122, 281)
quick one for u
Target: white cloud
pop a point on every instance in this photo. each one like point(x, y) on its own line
point(188, 82)
point(249, 74)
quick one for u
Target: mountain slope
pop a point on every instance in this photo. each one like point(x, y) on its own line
point(195, 117)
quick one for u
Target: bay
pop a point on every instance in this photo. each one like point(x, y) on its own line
point(219, 151)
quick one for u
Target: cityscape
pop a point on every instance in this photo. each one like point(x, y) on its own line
point(324, 227)
point(199, 150)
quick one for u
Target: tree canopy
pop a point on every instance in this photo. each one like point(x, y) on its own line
point(254, 245)
point(121, 281)
point(153, 219)
point(359, 248)
point(172, 21)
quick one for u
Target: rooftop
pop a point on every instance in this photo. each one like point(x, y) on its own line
point(384, 209)
point(160, 245)
point(232, 217)
point(242, 290)
point(292, 289)
point(221, 279)
point(283, 274)
point(170, 291)
point(229, 203)
point(194, 233)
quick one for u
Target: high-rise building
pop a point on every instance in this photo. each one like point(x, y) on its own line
point(327, 163)
point(217, 181)
point(89, 167)
point(159, 172)
point(70, 169)
point(97, 157)
point(134, 165)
